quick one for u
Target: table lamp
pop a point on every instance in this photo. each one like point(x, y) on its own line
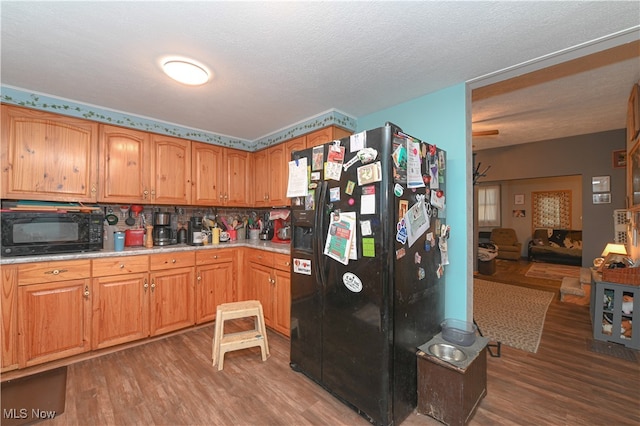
point(609, 248)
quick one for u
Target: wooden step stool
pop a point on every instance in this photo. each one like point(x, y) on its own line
point(223, 343)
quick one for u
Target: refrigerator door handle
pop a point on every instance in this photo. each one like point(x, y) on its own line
point(319, 227)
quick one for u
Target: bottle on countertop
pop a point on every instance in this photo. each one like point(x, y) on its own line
point(215, 235)
point(148, 242)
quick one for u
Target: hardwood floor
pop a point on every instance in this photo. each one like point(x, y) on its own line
point(171, 381)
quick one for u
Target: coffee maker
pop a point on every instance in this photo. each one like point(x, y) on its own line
point(161, 229)
point(194, 231)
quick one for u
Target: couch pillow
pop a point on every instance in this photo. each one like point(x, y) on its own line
point(572, 244)
point(538, 242)
point(557, 238)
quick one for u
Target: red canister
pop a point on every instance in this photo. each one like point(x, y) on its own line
point(134, 237)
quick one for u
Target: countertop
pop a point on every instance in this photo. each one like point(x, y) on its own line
point(133, 251)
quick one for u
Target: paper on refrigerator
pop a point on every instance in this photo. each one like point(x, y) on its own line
point(417, 221)
point(298, 184)
point(341, 236)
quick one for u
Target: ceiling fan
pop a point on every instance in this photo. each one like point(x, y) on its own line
point(485, 132)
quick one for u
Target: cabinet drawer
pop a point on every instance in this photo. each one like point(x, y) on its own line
point(260, 257)
point(206, 257)
point(171, 260)
point(282, 262)
point(119, 265)
point(45, 272)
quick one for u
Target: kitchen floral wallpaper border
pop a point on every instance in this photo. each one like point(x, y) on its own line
point(14, 96)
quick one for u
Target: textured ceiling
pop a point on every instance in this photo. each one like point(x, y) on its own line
point(278, 63)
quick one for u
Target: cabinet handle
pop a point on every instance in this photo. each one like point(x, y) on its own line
point(215, 256)
point(146, 285)
point(93, 188)
point(145, 194)
point(173, 261)
point(221, 196)
point(122, 266)
point(57, 271)
point(199, 278)
point(86, 292)
point(153, 285)
point(153, 193)
point(287, 263)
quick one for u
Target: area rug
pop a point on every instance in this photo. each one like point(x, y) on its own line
point(551, 271)
point(510, 314)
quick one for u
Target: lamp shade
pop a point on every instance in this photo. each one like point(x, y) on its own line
point(614, 248)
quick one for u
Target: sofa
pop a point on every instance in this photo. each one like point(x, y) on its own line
point(507, 241)
point(556, 246)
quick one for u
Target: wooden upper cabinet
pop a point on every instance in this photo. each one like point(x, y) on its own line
point(138, 167)
point(48, 156)
point(208, 177)
point(269, 177)
point(325, 135)
point(261, 178)
point(239, 175)
point(295, 144)
point(124, 165)
point(170, 170)
point(277, 176)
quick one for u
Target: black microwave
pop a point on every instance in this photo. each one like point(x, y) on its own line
point(27, 233)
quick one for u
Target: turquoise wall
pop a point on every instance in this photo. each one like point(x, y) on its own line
point(440, 118)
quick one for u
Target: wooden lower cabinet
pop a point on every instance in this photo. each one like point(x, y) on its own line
point(282, 305)
point(53, 310)
point(172, 299)
point(54, 320)
point(261, 280)
point(215, 282)
point(120, 309)
point(9, 318)
point(269, 277)
point(120, 300)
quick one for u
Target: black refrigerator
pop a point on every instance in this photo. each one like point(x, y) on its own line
point(368, 252)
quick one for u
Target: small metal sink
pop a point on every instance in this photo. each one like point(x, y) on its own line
point(447, 352)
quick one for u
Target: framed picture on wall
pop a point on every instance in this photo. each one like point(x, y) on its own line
point(518, 199)
point(620, 158)
point(601, 183)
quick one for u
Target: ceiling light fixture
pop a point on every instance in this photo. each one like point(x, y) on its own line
point(186, 71)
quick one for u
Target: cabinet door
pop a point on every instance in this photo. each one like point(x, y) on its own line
point(47, 156)
point(9, 318)
point(277, 175)
point(260, 277)
point(325, 135)
point(261, 178)
point(172, 300)
point(239, 178)
point(214, 285)
point(120, 309)
point(282, 302)
point(54, 320)
point(170, 170)
point(207, 174)
point(124, 165)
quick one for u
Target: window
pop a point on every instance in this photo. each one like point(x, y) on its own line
point(489, 205)
point(551, 209)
